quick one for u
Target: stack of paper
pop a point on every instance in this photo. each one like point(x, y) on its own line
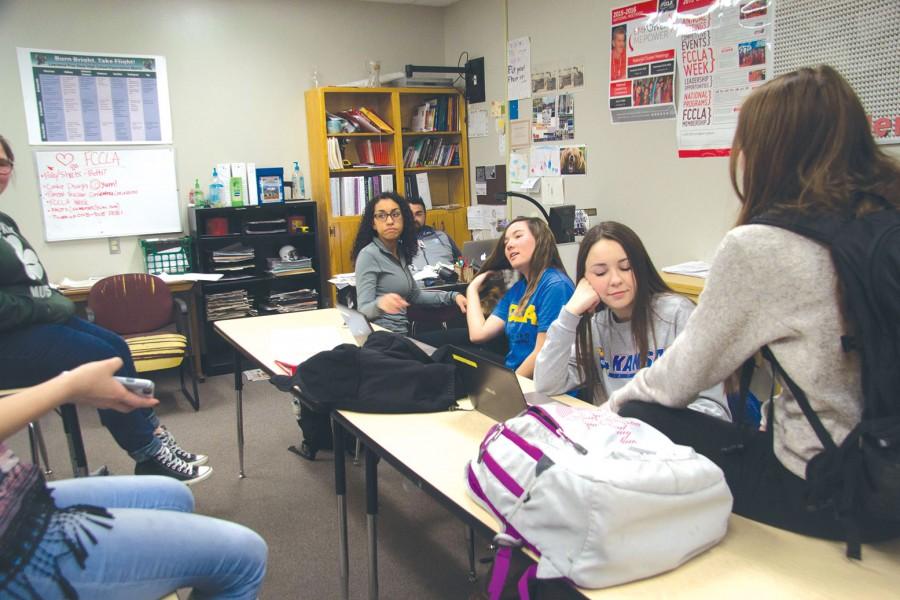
point(694, 268)
point(235, 261)
point(229, 305)
point(287, 302)
point(342, 280)
point(280, 268)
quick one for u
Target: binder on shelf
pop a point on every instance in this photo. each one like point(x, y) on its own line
point(239, 192)
point(252, 185)
point(423, 190)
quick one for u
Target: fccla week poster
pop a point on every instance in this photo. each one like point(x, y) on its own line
point(642, 62)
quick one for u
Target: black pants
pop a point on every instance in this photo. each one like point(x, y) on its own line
point(763, 489)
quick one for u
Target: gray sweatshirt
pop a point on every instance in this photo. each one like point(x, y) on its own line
point(766, 286)
point(378, 272)
point(616, 353)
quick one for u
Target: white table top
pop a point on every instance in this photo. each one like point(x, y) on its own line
point(753, 560)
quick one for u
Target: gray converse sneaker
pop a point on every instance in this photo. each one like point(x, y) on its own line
point(166, 463)
point(166, 437)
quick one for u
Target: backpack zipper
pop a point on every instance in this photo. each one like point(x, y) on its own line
point(544, 418)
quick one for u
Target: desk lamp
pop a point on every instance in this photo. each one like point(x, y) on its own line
point(561, 219)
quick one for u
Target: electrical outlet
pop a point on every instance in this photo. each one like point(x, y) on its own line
point(114, 247)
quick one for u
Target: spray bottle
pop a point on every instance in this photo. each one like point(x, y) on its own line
point(217, 196)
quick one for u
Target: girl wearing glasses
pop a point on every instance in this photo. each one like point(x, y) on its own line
point(383, 250)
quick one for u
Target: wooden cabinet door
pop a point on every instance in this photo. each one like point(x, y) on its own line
point(348, 231)
point(460, 231)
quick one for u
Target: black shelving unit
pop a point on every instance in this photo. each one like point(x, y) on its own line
point(217, 355)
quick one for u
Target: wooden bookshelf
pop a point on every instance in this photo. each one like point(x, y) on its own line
point(449, 185)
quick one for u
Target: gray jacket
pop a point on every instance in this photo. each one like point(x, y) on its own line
point(766, 286)
point(434, 247)
point(556, 372)
point(378, 272)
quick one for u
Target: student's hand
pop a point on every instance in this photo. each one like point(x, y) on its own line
point(476, 283)
point(583, 300)
point(92, 384)
point(461, 302)
point(392, 303)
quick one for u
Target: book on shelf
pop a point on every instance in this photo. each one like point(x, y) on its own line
point(373, 152)
point(335, 158)
point(436, 114)
point(349, 195)
point(431, 152)
point(375, 119)
point(366, 120)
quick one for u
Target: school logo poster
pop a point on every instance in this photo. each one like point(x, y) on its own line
point(724, 53)
point(81, 98)
point(642, 62)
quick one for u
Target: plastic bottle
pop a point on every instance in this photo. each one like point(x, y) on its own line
point(297, 184)
point(199, 200)
point(217, 195)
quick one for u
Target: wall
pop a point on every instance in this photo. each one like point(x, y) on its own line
point(681, 208)
point(237, 72)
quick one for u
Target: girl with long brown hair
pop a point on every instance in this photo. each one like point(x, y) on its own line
point(621, 318)
point(802, 147)
point(527, 309)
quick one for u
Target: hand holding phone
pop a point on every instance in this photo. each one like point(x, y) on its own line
point(141, 387)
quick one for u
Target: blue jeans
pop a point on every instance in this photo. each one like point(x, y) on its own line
point(33, 354)
point(156, 545)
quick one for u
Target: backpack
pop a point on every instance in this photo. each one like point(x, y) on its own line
point(863, 473)
point(602, 499)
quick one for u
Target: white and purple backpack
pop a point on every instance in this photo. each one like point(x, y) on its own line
point(602, 499)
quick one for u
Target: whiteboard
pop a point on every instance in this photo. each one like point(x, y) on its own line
point(107, 193)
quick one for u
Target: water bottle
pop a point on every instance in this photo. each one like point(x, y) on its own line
point(217, 195)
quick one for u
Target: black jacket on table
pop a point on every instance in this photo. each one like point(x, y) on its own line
point(389, 374)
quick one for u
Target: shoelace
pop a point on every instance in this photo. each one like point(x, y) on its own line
point(169, 440)
point(168, 459)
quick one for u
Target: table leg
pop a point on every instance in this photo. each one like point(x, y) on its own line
point(340, 490)
point(371, 514)
point(239, 403)
point(470, 544)
point(73, 437)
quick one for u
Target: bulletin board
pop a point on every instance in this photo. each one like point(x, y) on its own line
point(107, 193)
point(861, 45)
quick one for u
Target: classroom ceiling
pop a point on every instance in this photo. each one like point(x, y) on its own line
point(419, 2)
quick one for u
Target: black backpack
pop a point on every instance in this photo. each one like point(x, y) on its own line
point(863, 473)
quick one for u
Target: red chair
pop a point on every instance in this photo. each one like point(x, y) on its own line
point(141, 309)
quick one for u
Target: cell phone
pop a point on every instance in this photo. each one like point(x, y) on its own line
point(141, 387)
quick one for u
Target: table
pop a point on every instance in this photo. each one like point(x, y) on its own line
point(688, 285)
point(181, 289)
point(433, 450)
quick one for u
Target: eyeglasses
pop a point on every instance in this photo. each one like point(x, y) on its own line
point(6, 166)
point(395, 215)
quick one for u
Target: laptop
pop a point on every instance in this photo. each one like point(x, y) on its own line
point(493, 389)
point(476, 252)
point(359, 325)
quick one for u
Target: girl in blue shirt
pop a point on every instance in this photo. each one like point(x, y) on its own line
point(527, 309)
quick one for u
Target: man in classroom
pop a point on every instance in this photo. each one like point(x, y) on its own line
point(434, 246)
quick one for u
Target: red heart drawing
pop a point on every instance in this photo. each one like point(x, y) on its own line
point(64, 158)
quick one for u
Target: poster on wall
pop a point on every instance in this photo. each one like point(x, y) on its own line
point(642, 62)
point(553, 118)
point(81, 98)
point(518, 68)
point(725, 52)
